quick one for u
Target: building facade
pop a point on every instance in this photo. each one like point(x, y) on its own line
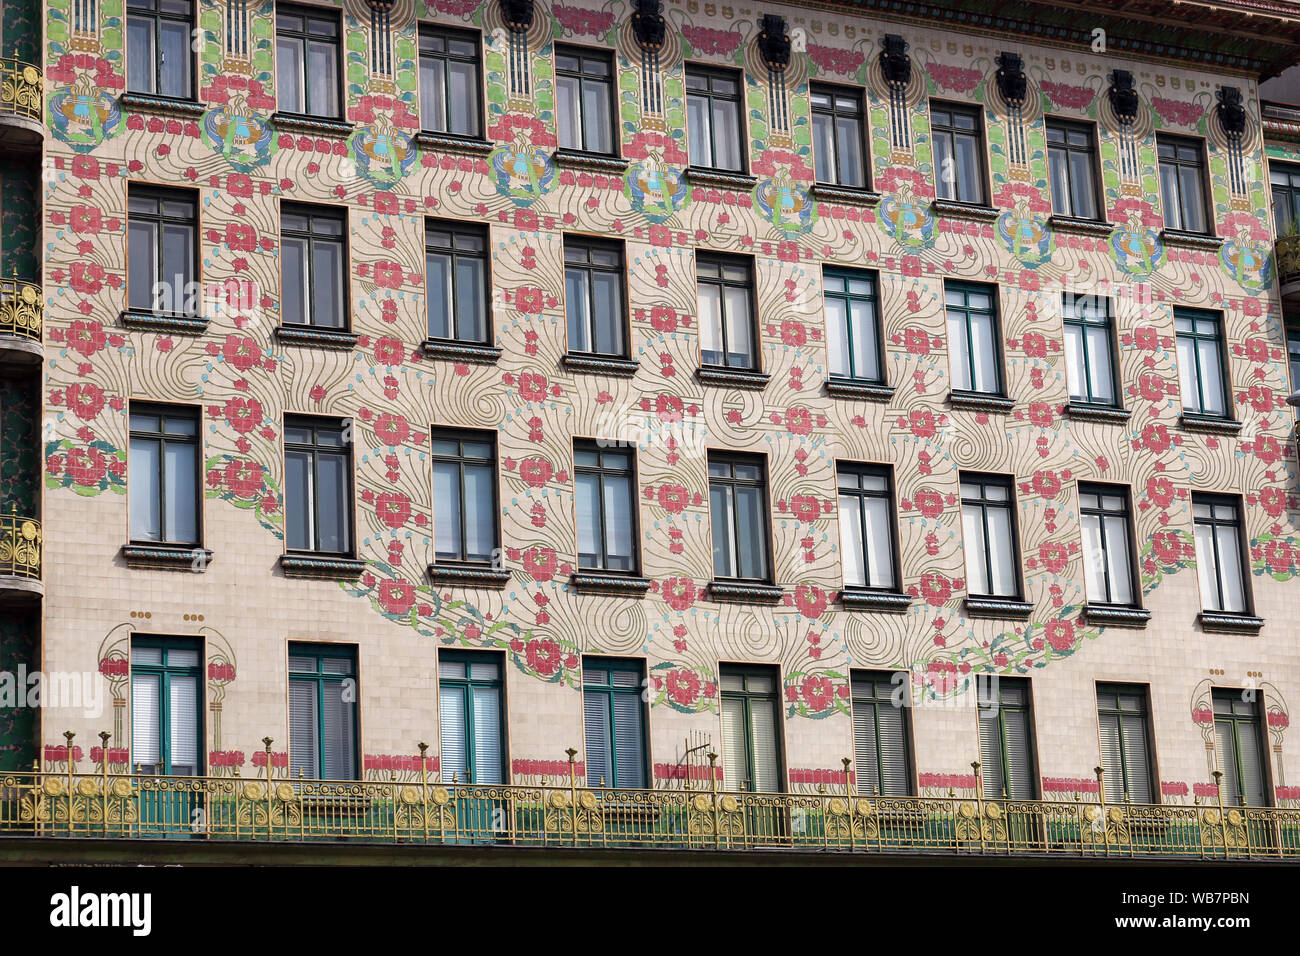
point(681, 385)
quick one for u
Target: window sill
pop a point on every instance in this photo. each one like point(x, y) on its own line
point(954, 209)
point(854, 388)
point(1191, 240)
point(468, 576)
point(1209, 425)
point(1226, 622)
point(593, 581)
point(591, 162)
point(855, 195)
point(980, 402)
point(317, 338)
point(167, 105)
point(1085, 412)
point(1085, 227)
point(721, 178)
point(303, 123)
point(163, 322)
point(335, 567)
point(860, 599)
point(1116, 615)
point(600, 364)
point(742, 592)
point(428, 139)
point(477, 352)
point(1008, 608)
point(166, 557)
point(731, 377)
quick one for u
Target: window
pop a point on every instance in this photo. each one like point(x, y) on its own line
point(158, 47)
point(1124, 721)
point(1089, 333)
point(1203, 384)
point(470, 712)
point(1293, 353)
point(584, 99)
point(307, 56)
point(464, 496)
point(881, 735)
point(449, 82)
point(725, 289)
point(866, 526)
point(162, 253)
point(164, 474)
point(1073, 167)
point(738, 505)
point(1239, 750)
point(958, 149)
point(323, 695)
point(456, 273)
point(1107, 551)
point(974, 352)
point(751, 749)
point(713, 118)
point(837, 136)
point(1182, 183)
point(166, 706)
point(1006, 738)
point(852, 325)
point(1217, 524)
point(318, 485)
point(989, 532)
point(603, 480)
point(593, 296)
point(614, 716)
point(313, 247)
point(1285, 179)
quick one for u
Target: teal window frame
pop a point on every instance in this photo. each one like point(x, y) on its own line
point(1083, 320)
point(166, 672)
point(1199, 319)
point(1252, 723)
point(321, 679)
point(608, 693)
point(1116, 711)
point(872, 298)
point(966, 310)
point(883, 686)
point(172, 419)
point(466, 685)
point(1025, 711)
point(746, 698)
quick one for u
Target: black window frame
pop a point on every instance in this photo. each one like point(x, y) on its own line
point(710, 73)
point(1143, 694)
point(1202, 179)
point(966, 288)
point(1292, 333)
point(1090, 319)
point(601, 449)
point(457, 231)
point(1089, 133)
point(1219, 338)
point(314, 211)
point(898, 684)
point(951, 131)
point(721, 262)
point(609, 82)
point(1238, 524)
point(152, 10)
point(344, 427)
point(162, 195)
point(302, 37)
point(834, 111)
point(848, 274)
point(987, 480)
point(1102, 491)
point(863, 469)
point(732, 459)
point(164, 411)
point(620, 323)
point(429, 30)
point(462, 436)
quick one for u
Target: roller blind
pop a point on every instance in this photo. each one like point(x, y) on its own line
point(629, 740)
point(489, 767)
point(1137, 759)
point(183, 717)
point(1111, 759)
point(455, 742)
point(146, 743)
point(767, 772)
point(599, 753)
point(734, 760)
point(340, 733)
point(893, 750)
point(865, 754)
point(991, 753)
point(1019, 760)
point(303, 729)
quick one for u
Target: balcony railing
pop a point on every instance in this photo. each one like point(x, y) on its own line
point(98, 803)
point(20, 547)
point(20, 88)
point(21, 309)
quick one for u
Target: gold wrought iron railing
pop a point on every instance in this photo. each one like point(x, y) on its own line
point(20, 546)
point(1287, 253)
point(100, 803)
point(20, 88)
point(21, 309)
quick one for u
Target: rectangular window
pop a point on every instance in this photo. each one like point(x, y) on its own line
point(1006, 738)
point(449, 82)
point(162, 254)
point(584, 105)
point(738, 509)
point(867, 526)
point(1217, 524)
point(323, 707)
point(164, 474)
point(725, 288)
point(989, 534)
point(158, 54)
point(882, 736)
point(314, 258)
point(318, 485)
point(593, 296)
point(1293, 357)
point(1072, 165)
point(1107, 547)
point(456, 277)
point(751, 732)
point(713, 118)
point(837, 136)
point(1202, 381)
point(1089, 356)
point(1182, 183)
point(958, 152)
point(853, 325)
point(167, 705)
point(974, 350)
point(1124, 721)
point(614, 717)
point(471, 715)
point(1239, 748)
point(1285, 180)
point(604, 478)
point(464, 496)
point(307, 54)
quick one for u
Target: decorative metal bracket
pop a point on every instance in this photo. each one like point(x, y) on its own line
point(1123, 97)
point(1232, 113)
point(894, 61)
point(648, 25)
point(1012, 82)
point(518, 14)
point(774, 41)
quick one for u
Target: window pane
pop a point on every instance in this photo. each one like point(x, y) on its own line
point(1117, 556)
point(143, 268)
point(1081, 183)
point(1193, 199)
point(438, 273)
point(146, 721)
point(303, 730)
point(1169, 195)
point(433, 104)
point(297, 500)
point(969, 187)
point(454, 765)
point(327, 284)
point(146, 514)
point(767, 776)
point(471, 304)
point(587, 500)
point(288, 72)
point(880, 543)
point(726, 131)
point(294, 278)
point(569, 112)
point(175, 65)
point(1211, 377)
point(724, 565)
point(1234, 598)
point(751, 540)
point(618, 522)
point(139, 55)
point(1188, 384)
point(183, 732)
point(945, 168)
point(740, 349)
point(865, 357)
point(972, 530)
point(837, 336)
point(985, 353)
point(464, 108)
point(850, 156)
point(322, 62)
point(333, 504)
point(1002, 552)
point(823, 148)
point(579, 310)
point(710, 297)
point(607, 304)
point(852, 547)
point(1094, 560)
point(1077, 372)
point(959, 351)
point(1101, 383)
point(596, 720)
point(178, 263)
point(480, 517)
point(595, 116)
point(1058, 170)
point(1207, 571)
point(182, 493)
point(446, 511)
point(698, 131)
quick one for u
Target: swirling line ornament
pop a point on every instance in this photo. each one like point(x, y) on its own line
point(381, 152)
point(84, 116)
point(239, 135)
point(521, 172)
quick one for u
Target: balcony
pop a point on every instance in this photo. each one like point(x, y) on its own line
point(22, 310)
point(21, 106)
point(104, 802)
point(20, 559)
